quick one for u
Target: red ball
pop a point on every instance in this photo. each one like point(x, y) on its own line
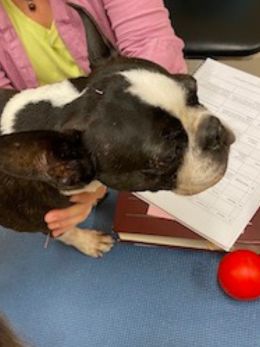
point(239, 274)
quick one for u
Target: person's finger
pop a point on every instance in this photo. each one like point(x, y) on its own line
point(90, 197)
point(84, 198)
point(60, 227)
point(58, 232)
point(67, 224)
point(66, 213)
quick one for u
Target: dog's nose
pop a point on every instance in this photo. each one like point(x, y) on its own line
point(214, 135)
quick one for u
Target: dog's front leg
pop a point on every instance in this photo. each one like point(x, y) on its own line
point(90, 242)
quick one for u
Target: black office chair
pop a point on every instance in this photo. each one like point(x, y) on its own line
point(217, 28)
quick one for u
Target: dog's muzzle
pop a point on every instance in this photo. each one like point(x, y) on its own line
point(213, 136)
point(206, 158)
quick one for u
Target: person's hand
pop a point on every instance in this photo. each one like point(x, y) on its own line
point(61, 220)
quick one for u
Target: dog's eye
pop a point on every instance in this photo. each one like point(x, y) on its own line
point(159, 164)
point(192, 99)
point(170, 135)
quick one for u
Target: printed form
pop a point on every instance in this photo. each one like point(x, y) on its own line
point(222, 212)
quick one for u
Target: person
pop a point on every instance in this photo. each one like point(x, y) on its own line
point(43, 41)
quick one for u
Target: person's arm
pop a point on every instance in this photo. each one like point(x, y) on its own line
point(4, 81)
point(143, 29)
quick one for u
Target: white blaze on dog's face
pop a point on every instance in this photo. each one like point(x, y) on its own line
point(205, 159)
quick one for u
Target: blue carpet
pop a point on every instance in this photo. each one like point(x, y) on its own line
point(133, 296)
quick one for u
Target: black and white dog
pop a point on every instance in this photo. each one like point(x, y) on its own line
point(130, 126)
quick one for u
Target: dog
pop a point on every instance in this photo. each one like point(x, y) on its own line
point(130, 125)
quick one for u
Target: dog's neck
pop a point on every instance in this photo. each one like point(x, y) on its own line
point(41, 108)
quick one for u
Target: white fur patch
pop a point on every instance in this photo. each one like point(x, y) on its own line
point(198, 172)
point(156, 89)
point(58, 94)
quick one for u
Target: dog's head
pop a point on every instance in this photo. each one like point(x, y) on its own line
point(138, 128)
point(150, 132)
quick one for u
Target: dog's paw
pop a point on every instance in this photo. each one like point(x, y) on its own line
point(90, 242)
point(96, 244)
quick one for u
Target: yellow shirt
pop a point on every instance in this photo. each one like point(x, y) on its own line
point(50, 59)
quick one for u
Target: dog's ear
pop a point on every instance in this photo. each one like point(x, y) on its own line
point(189, 84)
point(100, 49)
point(59, 159)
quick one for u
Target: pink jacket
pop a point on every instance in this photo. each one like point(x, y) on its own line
point(139, 28)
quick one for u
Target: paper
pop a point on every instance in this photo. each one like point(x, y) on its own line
point(222, 212)
point(157, 212)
